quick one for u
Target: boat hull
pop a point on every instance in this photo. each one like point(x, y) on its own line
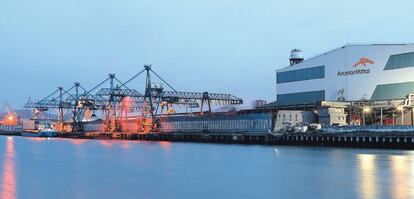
point(40, 134)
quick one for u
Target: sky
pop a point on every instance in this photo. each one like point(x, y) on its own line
point(225, 46)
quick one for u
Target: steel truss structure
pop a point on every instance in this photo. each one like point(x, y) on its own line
point(115, 101)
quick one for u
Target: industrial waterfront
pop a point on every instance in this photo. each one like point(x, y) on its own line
point(113, 109)
point(308, 110)
point(74, 168)
point(206, 99)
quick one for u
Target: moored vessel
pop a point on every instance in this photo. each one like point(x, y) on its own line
point(41, 133)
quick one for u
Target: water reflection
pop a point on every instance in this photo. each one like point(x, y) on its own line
point(165, 145)
point(411, 171)
point(37, 139)
point(400, 172)
point(361, 173)
point(400, 176)
point(367, 167)
point(77, 141)
point(106, 143)
point(8, 188)
point(125, 144)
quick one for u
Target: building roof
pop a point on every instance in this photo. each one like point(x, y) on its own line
point(348, 45)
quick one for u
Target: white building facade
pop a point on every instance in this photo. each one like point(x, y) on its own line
point(350, 73)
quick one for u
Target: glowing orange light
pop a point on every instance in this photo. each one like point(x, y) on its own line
point(9, 119)
point(88, 114)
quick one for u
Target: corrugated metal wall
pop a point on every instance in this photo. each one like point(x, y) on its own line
point(11, 128)
point(251, 123)
point(95, 126)
point(257, 122)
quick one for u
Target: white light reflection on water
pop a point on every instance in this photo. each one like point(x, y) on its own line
point(367, 168)
point(386, 175)
point(400, 176)
point(411, 169)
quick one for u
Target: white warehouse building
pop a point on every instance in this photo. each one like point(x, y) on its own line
point(348, 73)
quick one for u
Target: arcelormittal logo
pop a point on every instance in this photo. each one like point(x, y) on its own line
point(363, 61)
point(359, 71)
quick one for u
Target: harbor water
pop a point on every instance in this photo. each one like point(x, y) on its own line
point(75, 168)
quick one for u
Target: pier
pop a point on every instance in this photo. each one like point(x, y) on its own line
point(353, 140)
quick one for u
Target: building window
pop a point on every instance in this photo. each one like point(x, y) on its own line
point(403, 60)
point(392, 91)
point(300, 74)
point(301, 98)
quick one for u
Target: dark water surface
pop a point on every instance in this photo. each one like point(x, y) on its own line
point(69, 168)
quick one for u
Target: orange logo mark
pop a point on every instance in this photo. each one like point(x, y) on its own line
point(363, 61)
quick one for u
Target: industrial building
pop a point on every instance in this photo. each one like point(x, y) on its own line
point(353, 84)
point(349, 73)
point(350, 85)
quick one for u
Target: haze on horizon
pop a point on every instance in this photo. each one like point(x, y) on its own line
point(223, 46)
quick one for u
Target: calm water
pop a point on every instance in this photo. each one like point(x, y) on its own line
point(66, 168)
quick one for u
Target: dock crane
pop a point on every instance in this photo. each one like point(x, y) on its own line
point(155, 96)
point(63, 101)
point(117, 99)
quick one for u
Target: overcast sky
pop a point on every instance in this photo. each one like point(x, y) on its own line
point(229, 46)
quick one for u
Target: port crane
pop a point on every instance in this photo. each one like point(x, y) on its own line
point(116, 99)
point(156, 97)
point(62, 101)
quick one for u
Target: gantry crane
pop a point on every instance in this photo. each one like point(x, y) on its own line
point(63, 101)
point(156, 97)
point(115, 101)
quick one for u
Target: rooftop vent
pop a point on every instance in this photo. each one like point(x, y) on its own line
point(295, 57)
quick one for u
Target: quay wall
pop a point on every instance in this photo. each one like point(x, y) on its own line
point(353, 140)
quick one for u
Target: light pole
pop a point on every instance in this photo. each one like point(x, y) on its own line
point(365, 110)
point(401, 109)
point(381, 117)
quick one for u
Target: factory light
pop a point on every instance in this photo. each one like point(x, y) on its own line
point(9, 119)
point(367, 109)
point(401, 109)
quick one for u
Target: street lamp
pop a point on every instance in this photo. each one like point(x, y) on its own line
point(365, 110)
point(401, 109)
